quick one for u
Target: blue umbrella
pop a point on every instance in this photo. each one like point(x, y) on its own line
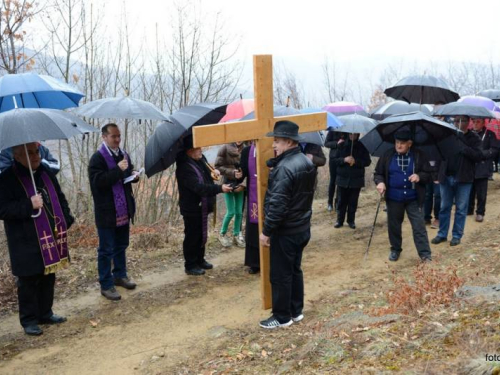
point(29, 90)
point(332, 121)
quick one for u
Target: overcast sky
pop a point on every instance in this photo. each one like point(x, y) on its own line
point(363, 34)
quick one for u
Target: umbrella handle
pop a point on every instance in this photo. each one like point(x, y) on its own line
point(32, 180)
point(37, 214)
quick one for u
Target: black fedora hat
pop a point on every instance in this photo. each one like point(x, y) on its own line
point(286, 129)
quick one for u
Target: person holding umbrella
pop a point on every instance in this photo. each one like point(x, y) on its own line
point(456, 175)
point(333, 140)
point(483, 168)
point(401, 174)
point(37, 242)
point(197, 192)
point(114, 207)
point(352, 158)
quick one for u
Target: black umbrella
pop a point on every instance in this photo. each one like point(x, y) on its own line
point(422, 89)
point(493, 94)
point(397, 107)
point(166, 142)
point(462, 109)
point(316, 138)
point(429, 134)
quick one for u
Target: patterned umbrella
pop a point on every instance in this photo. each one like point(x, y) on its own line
point(345, 108)
point(238, 109)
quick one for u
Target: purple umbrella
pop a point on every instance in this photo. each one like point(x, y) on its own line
point(345, 108)
point(479, 101)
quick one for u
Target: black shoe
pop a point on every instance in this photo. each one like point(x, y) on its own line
point(330, 208)
point(33, 330)
point(426, 259)
point(338, 225)
point(125, 283)
point(455, 241)
point(437, 240)
point(253, 270)
point(272, 323)
point(206, 266)
point(54, 319)
point(352, 225)
point(394, 256)
point(197, 271)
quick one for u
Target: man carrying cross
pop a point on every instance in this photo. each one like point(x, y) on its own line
point(287, 222)
point(37, 244)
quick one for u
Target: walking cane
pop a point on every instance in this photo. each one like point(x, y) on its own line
point(373, 227)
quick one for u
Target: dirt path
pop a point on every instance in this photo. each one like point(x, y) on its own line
point(171, 317)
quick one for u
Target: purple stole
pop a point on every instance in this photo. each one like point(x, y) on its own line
point(119, 197)
point(253, 205)
point(204, 202)
point(53, 241)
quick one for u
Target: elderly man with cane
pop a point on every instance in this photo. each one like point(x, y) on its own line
point(401, 174)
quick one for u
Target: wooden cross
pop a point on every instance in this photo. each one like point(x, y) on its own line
point(217, 134)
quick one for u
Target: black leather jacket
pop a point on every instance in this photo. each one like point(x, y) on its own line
point(290, 193)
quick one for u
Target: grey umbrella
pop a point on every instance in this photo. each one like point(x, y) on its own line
point(25, 125)
point(124, 108)
point(461, 109)
point(355, 124)
point(493, 94)
point(422, 89)
point(397, 107)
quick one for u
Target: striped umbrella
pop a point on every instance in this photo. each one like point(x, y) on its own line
point(238, 109)
point(345, 108)
point(397, 107)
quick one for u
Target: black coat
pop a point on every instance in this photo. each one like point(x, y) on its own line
point(347, 176)
point(319, 158)
point(422, 168)
point(190, 189)
point(16, 210)
point(468, 153)
point(290, 193)
point(102, 180)
point(331, 141)
point(489, 149)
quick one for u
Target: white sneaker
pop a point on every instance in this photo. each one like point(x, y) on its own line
point(225, 241)
point(239, 240)
point(272, 323)
point(297, 318)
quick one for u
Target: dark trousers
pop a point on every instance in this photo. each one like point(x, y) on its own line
point(348, 202)
point(112, 245)
point(479, 191)
point(193, 248)
point(432, 202)
point(331, 185)
point(395, 215)
point(36, 296)
point(287, 280)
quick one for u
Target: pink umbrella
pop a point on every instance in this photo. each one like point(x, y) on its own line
point(345, 108)
point(238, 109)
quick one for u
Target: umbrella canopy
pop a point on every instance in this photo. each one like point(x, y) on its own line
point(493, 94)
point(332, 121)
point(422, 89)
point(462, 109)
point(30, 90)
point(397, 107)
point(479, 101)
point(316, 138)
point(125, 108)
point(356, 124)
point(433, 136)
point(238, 109)
point(345, 108)
point(166, 142)
point(26, 125)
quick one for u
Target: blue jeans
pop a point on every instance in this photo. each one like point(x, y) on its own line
point(459, 192)
point(432, 203)
point(112, 245)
